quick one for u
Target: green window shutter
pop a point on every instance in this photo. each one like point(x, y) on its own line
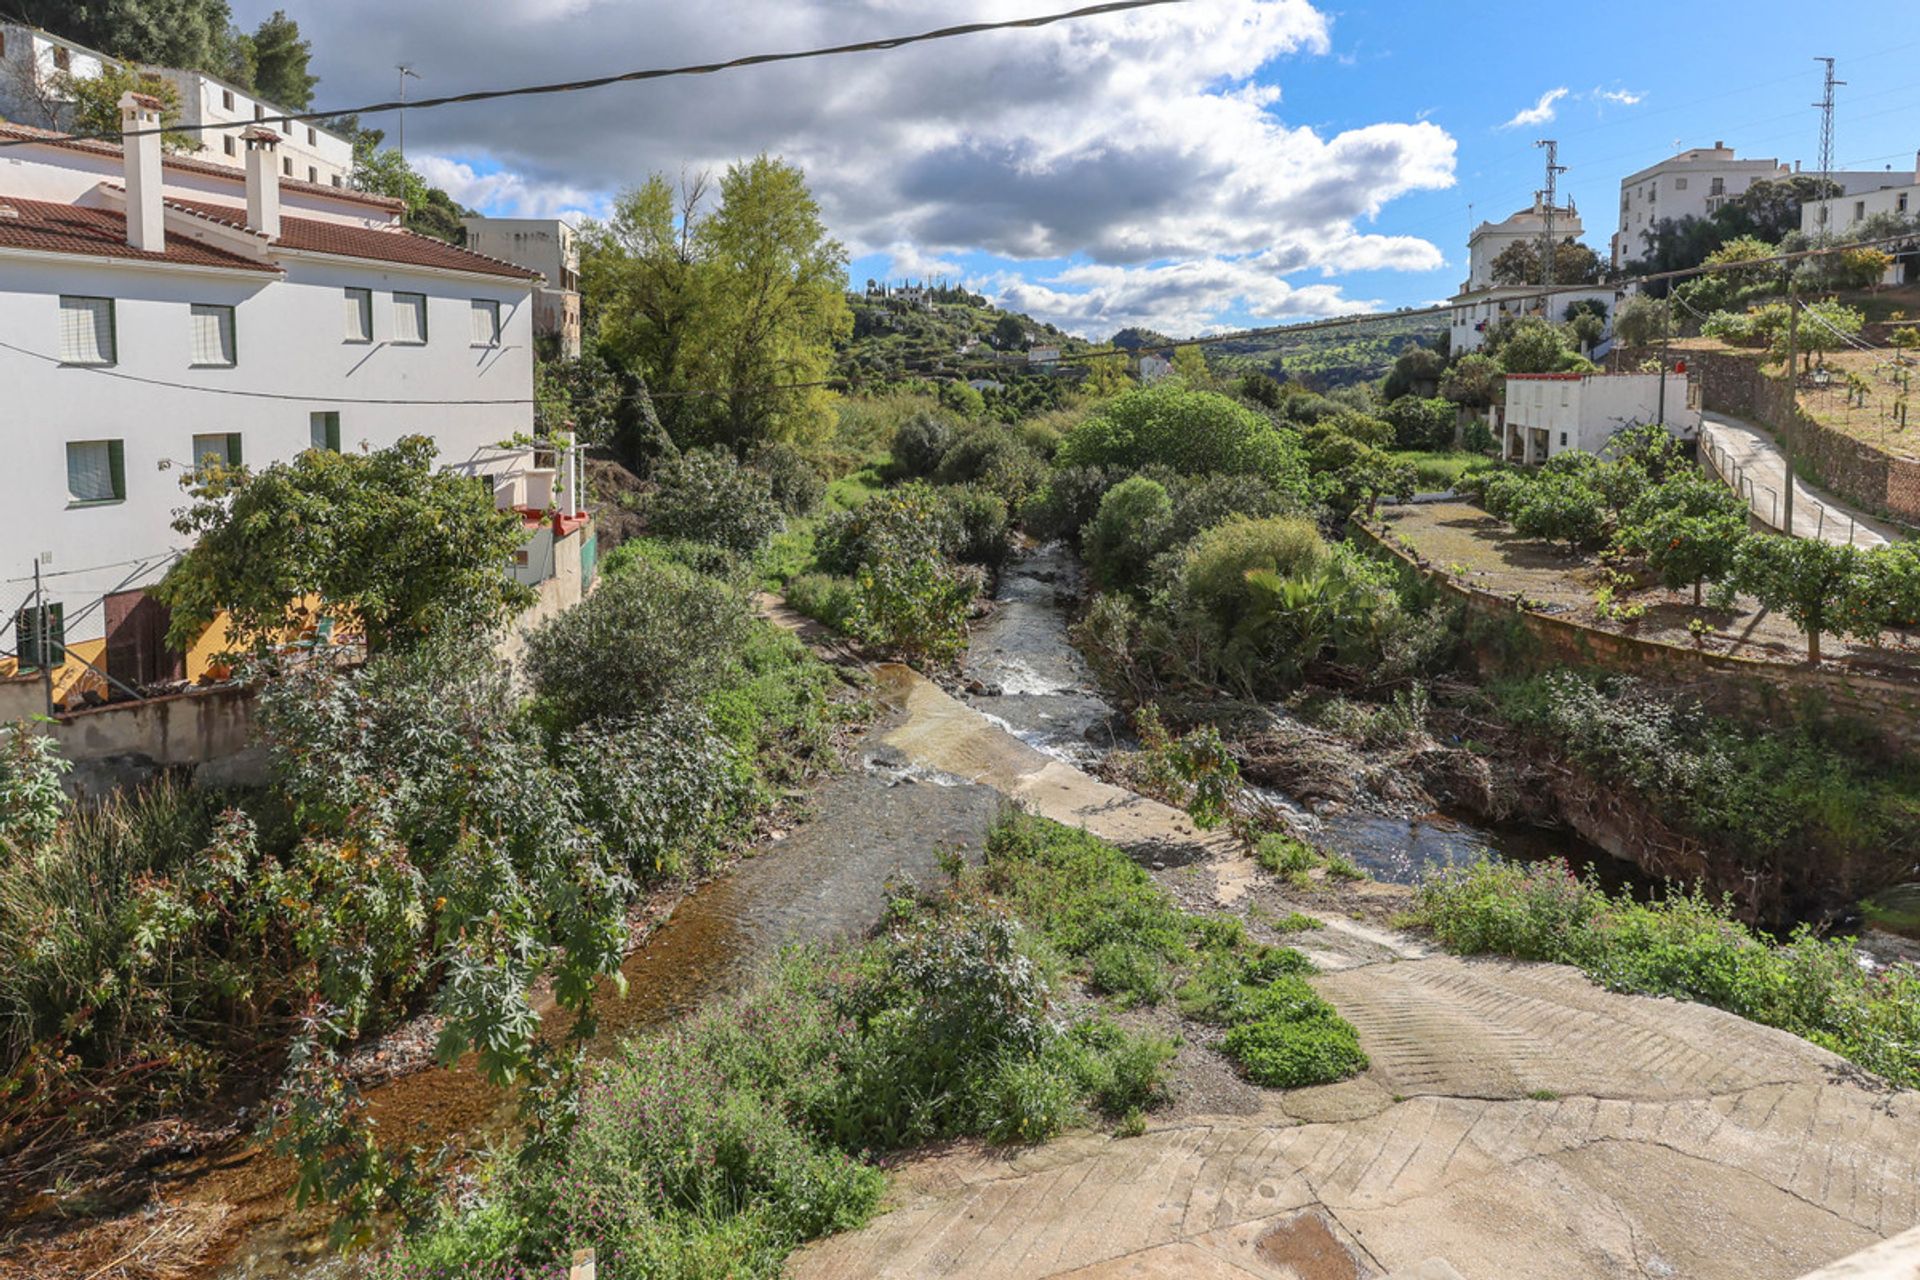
point(333, 432)
point(117, 465)
point(233, 449)
point(27, 626)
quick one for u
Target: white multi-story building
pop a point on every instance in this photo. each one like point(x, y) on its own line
point(1481, 303)
point(154, 310)
point(33, 62)
point(217, 113)
point(1695, 183)
point(1550, 413)
point(549, 246)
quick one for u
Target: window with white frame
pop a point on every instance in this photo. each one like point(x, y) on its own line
point(212, 336)
point(359, 315)
point(86, 331)
point(486, 322)
point(410, 318)
point(324, 429)
point(226, 99)
point(96, 471)
point(222, 447)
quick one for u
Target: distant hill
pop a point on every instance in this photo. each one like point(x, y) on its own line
point(940, 332)
point(1329, 358)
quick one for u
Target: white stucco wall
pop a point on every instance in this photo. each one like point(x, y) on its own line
point(1490, 239)
point(309, 153)
point(1470, 310)
point(27, 69)
point(1586, 412)
point(292, 360)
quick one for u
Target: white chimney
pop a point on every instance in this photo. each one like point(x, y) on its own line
point(145, 221)
point(263, 182)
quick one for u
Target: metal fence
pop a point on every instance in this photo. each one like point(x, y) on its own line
point(1764, 500)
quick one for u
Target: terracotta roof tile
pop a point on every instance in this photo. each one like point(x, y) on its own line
point(187, 164)
point(47, 227)
point(375, 244)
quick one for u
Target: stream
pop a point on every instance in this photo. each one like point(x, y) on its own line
point(885, 819)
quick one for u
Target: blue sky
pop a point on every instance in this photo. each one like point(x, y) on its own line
point(1206, 165)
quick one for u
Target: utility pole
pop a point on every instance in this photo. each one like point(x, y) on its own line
point(1666, 334)
point(1554, 170)
point(406, 72)
point(1793, 404)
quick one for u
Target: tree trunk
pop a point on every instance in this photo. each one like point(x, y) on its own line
point(1813, 644)
point(1697, 582)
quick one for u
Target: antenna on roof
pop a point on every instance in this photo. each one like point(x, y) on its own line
point(406, 72)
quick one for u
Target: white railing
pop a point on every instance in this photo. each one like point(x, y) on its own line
point(1734, 475)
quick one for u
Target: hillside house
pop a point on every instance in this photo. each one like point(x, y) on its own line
point(551, 247)
point(155, 310)
point(1551, 413)
point(1481, 303)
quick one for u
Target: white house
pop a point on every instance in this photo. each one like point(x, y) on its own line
point(1550, 413)
point(1696, 182)
point(1840, 215)
point(1154, 368)
point(1481, 303)
point(155, 310)
point(31, 62)
point(551, 247)
point(308, 152)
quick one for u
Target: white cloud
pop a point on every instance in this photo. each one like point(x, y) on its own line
point(1620, 97)
point(1138, 140)
point(1540, 112)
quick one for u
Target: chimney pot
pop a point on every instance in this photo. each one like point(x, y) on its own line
point(263, 182)
point(146, 219)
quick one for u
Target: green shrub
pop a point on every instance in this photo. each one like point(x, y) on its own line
point(1213, 571)
point(1191, 432)
point(794, 481)
point(1205, 501)
point(921, 441)
point(1288, 1037)
point(995, 459)
point(705, 495)
point(1132, 526)
point(1133, 973)
point(659, 790)
point(1066, 502)
point(980, 529)
point(653, 633)
point(1422, 424)
point(32, 802)
point(912, 521)
point(1284, 854)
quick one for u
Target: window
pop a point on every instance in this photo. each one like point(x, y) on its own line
point(313, 174)
point(47, 622)
point(359, 315)
point(62, 58)
point(486, 322)
point(223, 448)
point(3, 44)
point(410, 318)
point(1823, 215)
point(1859, 210)
point(226, 99)
point(227, 142)
point(86, 331)
point(286, 127)
point(212, 336)
point(336, 179)
point(286, 165)
point(324, 429)
point(1679, 184)
point(96, 471)
point(1719, 187)
point(313, 139)
point(1900, 204)
point(259, 112)
point(1563, 439)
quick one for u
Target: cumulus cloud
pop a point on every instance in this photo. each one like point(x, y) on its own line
point(1540, 112)
point(1139, 141)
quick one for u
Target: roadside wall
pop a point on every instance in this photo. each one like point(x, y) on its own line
point(1733, 383)
point(1887, 706)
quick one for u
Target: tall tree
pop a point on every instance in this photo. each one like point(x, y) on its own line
point(96, 101)
point(1573, 263)
point(280, 57)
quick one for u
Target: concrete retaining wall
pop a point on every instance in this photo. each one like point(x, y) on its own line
point(1734, 383)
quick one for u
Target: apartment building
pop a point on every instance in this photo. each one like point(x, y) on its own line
point(1481, 303)
point(551, 247)
point(155, 310)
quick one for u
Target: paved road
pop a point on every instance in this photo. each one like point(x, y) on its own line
point(1517, 1121)
point(1753, 457)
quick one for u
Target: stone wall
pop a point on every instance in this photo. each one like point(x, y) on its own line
point(1881, 484)
point(1885, 704)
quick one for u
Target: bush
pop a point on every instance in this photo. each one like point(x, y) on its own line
point(795, 483)
point(824, 598)
point(705, 495)
point(1422, 424)
point(1287, 1037)
point(912, 521)
point(1206, 501)
point(32, 802)
point(1212, 575)
point(1191, 432)
point(1133, 525)
point(659, 791)
point(980, 530)
point(1068, 500)
point(995, 459)
point(921, 442)
point(915, 610)
point(652, 634)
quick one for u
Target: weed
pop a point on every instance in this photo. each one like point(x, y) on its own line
point(1543, 1095)
point(1294, 922)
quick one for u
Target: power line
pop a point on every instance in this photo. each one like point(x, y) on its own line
point(629, 77)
